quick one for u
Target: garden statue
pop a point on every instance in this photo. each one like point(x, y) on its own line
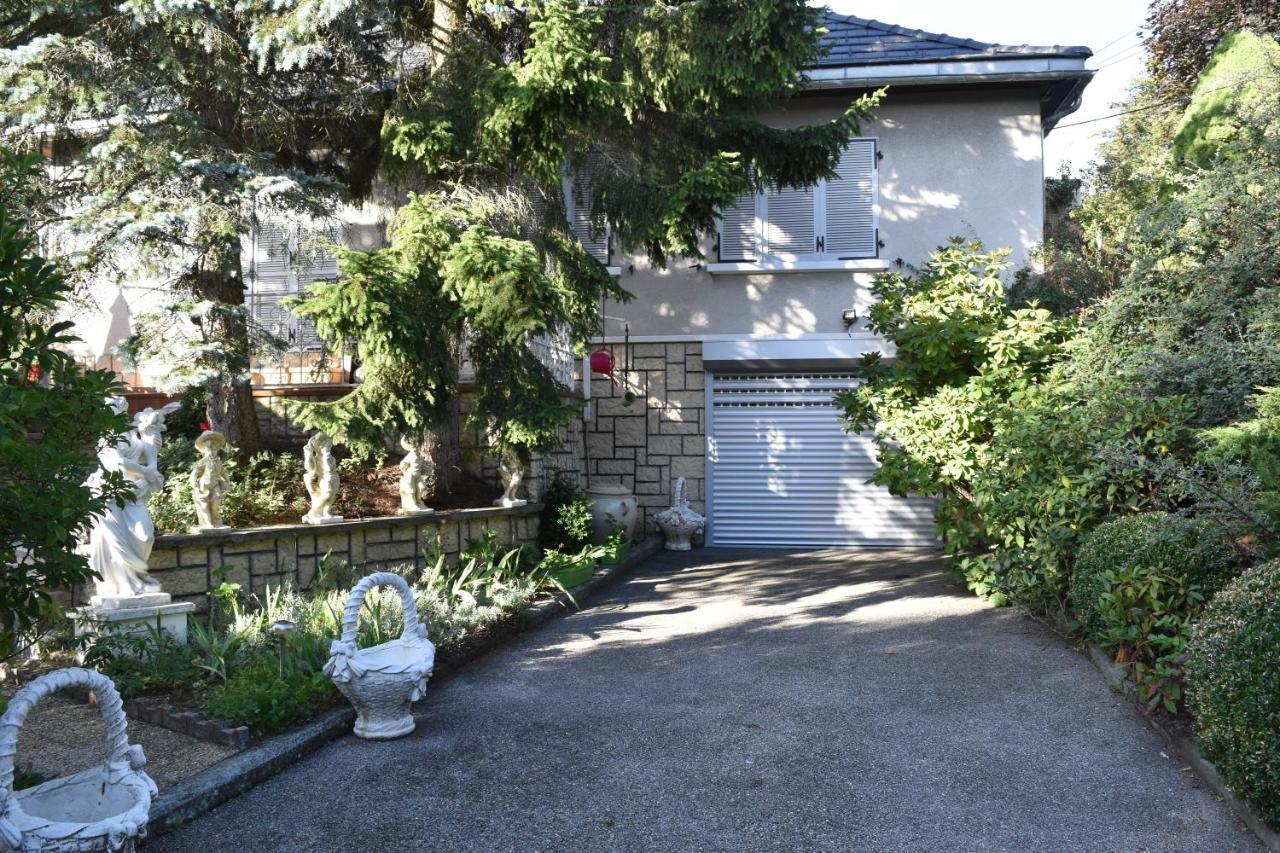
point(320, 477)
point(105, 807)
point(382, 681)
point(121, 539)
point(512, 464)
point(209, 482)
point(511, 470)
point(413, 480)
point(128, 599)
point(679, 523)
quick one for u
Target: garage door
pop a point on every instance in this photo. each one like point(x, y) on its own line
point(783, 472)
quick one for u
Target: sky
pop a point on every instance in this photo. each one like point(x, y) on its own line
point(1109, 27)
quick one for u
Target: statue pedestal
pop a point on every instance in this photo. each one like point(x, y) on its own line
point(217, 528)
point(133, 614)
point(328, 519)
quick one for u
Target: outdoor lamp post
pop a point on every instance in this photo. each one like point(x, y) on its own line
point(282, 628)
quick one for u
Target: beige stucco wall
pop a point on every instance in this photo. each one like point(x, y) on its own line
point(968, 165)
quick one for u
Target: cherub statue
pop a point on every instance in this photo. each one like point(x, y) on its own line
point(511, 468)
point(209, 482)
point(320, 477)
point(413, 479)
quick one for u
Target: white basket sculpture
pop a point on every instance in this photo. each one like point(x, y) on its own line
point(382, 681)
point(679, 523)
point(102, 808)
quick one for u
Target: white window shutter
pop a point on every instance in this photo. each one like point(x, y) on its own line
point(316, 261)
point(578, 203)
point(271, 244)
point(850, 203)
point(789, 229)
point(738, 230)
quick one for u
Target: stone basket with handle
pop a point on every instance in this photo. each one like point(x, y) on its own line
point(382, 681)
point(102, 808)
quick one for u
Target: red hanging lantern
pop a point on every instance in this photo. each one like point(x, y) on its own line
point(602, 362)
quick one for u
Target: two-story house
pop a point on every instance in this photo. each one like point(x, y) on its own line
point(734, 361)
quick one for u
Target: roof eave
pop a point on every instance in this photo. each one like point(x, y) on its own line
point(1051, 72)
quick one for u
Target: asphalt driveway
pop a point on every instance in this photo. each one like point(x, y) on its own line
point(729, 700)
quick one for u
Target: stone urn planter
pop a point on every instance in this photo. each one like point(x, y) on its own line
point(382, 681)
point(679, 523)
point(102, 808)
point(612, 504)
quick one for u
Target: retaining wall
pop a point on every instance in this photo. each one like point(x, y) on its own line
point(187, 565)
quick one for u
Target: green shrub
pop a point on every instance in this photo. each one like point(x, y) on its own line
point(1233, 686)
point(256, 696)
point(566, 516)
point(263, 490)
point(1138, 582)
point(47, 428)
point(1255, 444)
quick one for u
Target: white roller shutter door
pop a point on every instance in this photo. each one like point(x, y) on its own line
point(784, 473)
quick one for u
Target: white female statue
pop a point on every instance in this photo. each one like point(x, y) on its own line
point(413, 480)
point(320, 477)
point(209, 482)
point(120, 542)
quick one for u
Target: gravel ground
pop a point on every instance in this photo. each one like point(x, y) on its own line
point(726, 700)
point(62, 736)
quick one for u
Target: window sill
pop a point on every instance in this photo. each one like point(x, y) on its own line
point(778, 267)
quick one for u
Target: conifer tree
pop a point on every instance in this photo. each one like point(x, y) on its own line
point(651, 106)
point(185, 121)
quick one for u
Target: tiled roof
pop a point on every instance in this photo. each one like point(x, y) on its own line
point(860, 41)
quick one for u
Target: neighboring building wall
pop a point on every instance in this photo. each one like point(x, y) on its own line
point(660, 436)
point(187, 565)
point(967, 165)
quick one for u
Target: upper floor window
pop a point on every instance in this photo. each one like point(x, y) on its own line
point(834, 220)
point(578, 191)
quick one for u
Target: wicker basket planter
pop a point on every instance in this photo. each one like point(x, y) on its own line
point(382, 681)
point(104, 808)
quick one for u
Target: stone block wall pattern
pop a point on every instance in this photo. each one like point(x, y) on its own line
point(661, 435)
point(566, 459)
point(187, 565)
point(275, 423)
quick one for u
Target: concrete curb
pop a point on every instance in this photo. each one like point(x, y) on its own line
point(1186, 749)
point(233, 776)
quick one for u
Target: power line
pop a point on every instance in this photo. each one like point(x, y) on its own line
point(1125, 56)
point(1184, 99)
point(1126, 34)
point(1181, 99)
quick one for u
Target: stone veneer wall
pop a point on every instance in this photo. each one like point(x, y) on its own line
point(566, 459)
point(187, 565)
point(660, 436)
point(276, 425)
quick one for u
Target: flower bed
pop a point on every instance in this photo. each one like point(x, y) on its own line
point(233, 670)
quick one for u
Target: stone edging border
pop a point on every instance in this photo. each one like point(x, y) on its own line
point(238, 773)
point(1186, 749)
point(188, 723)
point(156, 713)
